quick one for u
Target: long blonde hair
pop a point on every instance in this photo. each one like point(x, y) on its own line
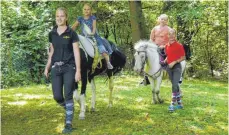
point(65, 12)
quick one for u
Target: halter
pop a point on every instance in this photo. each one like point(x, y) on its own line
point(155, 75)
point(145, 58)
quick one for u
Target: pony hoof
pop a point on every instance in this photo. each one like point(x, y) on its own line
point(92, 109)
point(161, 101)
point(154, 102)
point(81, 118)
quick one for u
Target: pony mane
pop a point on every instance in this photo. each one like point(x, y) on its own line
point(145, 44)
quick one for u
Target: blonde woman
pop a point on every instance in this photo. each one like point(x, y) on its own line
point(64, 60)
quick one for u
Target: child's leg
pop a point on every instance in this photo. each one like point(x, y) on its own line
point(69, 82)
point(178, 97)
point(176, 87)
point(106, 56)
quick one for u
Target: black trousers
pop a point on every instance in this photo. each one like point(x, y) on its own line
point(63, 76)
point(174, 76)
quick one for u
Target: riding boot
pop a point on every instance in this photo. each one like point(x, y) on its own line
point(82, 107)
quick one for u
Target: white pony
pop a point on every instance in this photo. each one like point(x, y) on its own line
point(147, 58)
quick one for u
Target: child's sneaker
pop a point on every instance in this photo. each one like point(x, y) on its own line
point(179, 107)
point(171, 108)
point(67, 129)
point(109, 66)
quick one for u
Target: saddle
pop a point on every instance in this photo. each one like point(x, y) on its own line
point(87, 45)
point(90, 48)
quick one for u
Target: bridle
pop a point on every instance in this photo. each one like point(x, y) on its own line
point(155, 75)
point(143, 61)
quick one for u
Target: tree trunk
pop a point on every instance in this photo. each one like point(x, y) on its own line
point(114, 33)
point(137, 21)
point(106, 32)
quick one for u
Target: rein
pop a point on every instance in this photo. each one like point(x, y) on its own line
point(155, 75)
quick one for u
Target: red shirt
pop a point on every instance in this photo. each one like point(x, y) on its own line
point(174, 51)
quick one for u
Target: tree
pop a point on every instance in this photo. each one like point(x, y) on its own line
point(137, 21)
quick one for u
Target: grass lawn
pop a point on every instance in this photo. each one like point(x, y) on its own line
point(31, 110)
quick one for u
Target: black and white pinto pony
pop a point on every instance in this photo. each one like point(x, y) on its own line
point(87, 54)
point(147, 61)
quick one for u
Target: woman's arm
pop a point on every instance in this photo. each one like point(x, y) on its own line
point(47, 67)
point(77, 61)
point(75, 25)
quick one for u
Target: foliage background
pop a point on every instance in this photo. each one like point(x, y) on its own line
point(25, 24)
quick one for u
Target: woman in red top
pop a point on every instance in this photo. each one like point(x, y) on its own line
point(175, 54)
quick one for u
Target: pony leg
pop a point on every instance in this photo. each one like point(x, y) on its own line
point(82, 96)
point(153, 91)
point(111, 86)
point(76, 96)
point(179, 84)
point(75, 93)
point(183, 67)
point(157, 89)
point(93, 95)
point(82, 107)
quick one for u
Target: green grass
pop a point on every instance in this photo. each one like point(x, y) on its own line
point(31, 110)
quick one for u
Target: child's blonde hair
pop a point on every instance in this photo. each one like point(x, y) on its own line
point(172, 31)
point(89, 5)
point(163, 16)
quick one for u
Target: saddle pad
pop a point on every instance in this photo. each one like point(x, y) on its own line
point(87, 45)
